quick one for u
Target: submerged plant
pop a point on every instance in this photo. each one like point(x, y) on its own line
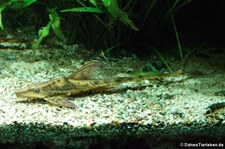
point(107, 25)
point(53, 23)
point(98, 6)
point(14, 4)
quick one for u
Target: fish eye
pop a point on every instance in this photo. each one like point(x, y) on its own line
point(37, 89)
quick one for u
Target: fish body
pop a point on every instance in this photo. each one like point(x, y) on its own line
point(81, 81)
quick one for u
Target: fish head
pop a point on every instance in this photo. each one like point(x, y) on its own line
point(32, 91)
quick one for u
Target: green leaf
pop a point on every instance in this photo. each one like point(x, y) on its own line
point(96, 3)
point(109, 3)
point(84, 9)
point(117, 13)
point(93, 2)
point(43, 32)
point(123, 17)
point(2, 7)
point(1, 25)
point(17, 4)
point(55, 23)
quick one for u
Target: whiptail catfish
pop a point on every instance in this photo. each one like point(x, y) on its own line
point(81, 81)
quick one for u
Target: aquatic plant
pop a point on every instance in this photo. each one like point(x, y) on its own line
point(14, 4)
point(111, 6)
point(53, 23)
point(108, 15)
point(54, 19)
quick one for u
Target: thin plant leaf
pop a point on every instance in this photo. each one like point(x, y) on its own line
point(84, 9)
point(117, 13)
point(175, 6)
point(17, 4)
point(2, 7)
point(163, 60)
point(96, 3)
point(55, 23)
point(93, 2)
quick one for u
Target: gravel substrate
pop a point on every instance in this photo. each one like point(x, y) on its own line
point(152, 109)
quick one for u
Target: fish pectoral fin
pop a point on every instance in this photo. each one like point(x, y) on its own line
point(60, 101)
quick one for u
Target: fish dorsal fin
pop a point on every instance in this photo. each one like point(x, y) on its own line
point(88, 71)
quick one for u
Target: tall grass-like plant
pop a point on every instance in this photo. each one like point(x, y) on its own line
point(107, 23)
point(98, 6)
point(171, 11)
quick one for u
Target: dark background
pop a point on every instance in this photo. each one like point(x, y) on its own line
point(199, 21)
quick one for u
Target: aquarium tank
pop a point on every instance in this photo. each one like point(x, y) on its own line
point(105, 74)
